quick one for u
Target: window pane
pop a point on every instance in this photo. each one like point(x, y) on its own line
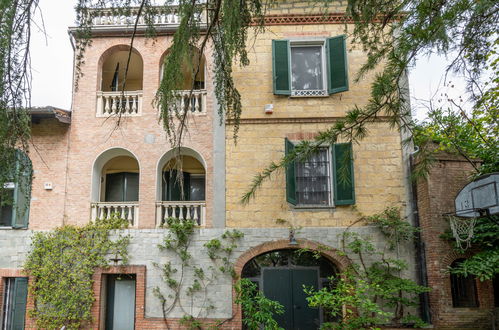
point(197, 188)
point(6, 210)
point(312, 180)
point(306, 68)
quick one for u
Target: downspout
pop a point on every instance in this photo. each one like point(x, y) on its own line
point(421, 269)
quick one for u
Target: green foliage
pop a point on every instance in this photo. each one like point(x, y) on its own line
point(257, 310)
point(390, 224)
point(177, 244)
point(371, 293)
point(62, 262)
point(15, 19)
point(485, 263)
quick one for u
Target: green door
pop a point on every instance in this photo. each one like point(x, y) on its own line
point(285, 285)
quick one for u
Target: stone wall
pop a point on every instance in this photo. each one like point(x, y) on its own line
point(144, 252)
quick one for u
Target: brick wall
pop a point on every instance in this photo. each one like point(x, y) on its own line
point(435, 197)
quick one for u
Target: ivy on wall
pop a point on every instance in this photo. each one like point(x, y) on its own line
point(62, 263)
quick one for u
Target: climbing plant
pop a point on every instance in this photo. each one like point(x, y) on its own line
point(258, 311)
point(187, 286)
point(62, 262)
point(373, 290)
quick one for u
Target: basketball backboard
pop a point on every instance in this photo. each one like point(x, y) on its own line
point(478, 197)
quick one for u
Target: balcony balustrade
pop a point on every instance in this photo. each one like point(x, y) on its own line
point(108, 17)
point(125, 210)
point(127, 103)
point(192, 103)
point(183, 210)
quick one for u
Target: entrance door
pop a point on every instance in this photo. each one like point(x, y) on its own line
point(120, 313)
point(285, 285)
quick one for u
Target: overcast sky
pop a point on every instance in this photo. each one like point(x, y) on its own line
point(52, 62)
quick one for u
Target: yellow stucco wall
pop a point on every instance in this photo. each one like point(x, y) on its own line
point(378, 171)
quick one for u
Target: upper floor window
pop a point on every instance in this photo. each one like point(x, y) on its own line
point(464, 293)
point(120, 90)
point(191, 91)
point(119, 188)
point(324, 179)
point(16, 196)
point(181, 195)
point(114, 69)
point(309, 68)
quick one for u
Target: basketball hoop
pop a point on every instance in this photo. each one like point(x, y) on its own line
point(462, 229)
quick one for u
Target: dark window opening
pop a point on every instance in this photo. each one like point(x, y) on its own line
point(464, 293)
point(122, 187)
point(14, 302)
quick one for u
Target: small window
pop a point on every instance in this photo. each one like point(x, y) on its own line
point(313, 179)
point(15, 291)
point(16, 196)
point(310, 68)
point(325, 179)
point(464, 293)
point(307, 67)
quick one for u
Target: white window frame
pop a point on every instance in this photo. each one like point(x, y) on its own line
point(310, 43)
point(329, 183)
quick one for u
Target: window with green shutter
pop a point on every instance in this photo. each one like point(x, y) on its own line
point(304, 68)
point(324, 179)
point(14, 303)
point(14, 204)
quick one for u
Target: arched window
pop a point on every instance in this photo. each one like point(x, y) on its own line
point(116, 94)
point(464, 293)
point(193, 78)
point(115, 187)
point(181, 195)
point(281, 275)
point(114, 67)
point(16, 196)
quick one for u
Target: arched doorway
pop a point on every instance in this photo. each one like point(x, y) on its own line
point(281, 275)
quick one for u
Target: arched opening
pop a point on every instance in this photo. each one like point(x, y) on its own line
point(181, 189)
point(115, 188)
point(114, 67)
point(463, 288)
point(281, 275)
point(117, 94)
point(194, 73)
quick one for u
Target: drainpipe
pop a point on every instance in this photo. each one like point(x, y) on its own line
point(421, 269)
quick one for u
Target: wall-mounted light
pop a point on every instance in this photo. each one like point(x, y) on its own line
point(292, 240)
point(269, 108)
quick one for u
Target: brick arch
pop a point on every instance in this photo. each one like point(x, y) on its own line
point(342, 262)
point(450, 257)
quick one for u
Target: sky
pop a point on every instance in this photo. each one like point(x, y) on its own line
point(52, 63)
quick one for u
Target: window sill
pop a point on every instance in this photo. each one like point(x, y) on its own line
point(308, 93)
point(313, 207)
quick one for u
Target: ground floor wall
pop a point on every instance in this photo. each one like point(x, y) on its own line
point(145, 256)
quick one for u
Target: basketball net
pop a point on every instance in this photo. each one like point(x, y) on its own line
point(462, 230)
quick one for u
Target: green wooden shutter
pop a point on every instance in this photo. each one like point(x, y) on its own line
point(343, 178)
point(337, 65)
point(290, 175)
point(22, 191)
point(280, 67)
point(19, 303)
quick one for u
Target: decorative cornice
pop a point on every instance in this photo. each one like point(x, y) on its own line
point(299, 19)
point(294, 120)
